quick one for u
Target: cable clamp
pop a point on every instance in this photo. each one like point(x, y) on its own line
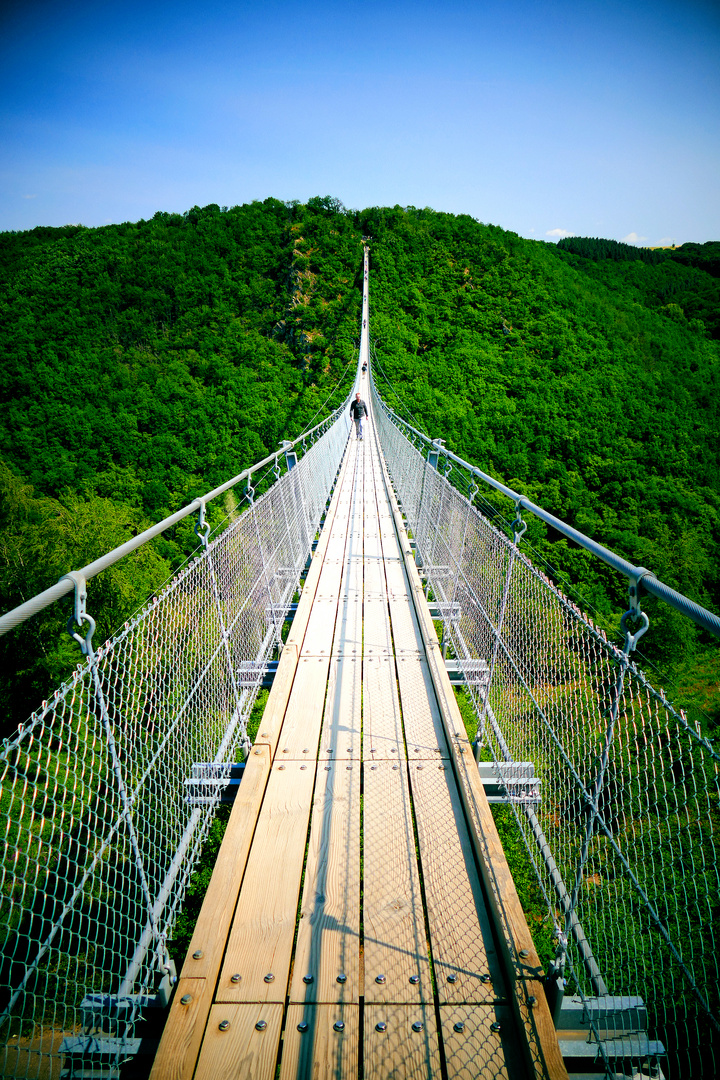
point(202, 527)
point(634, 611)
point(517, 525)
point(80, 615)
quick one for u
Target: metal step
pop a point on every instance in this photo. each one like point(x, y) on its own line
point(609, 1014)
point(91, 1057)
point(510, 782)
point(448, 612)
point(77, 1071)
point(467, 672)
point(99, 1046)
point(619, 1026)
point(579, 1051)
point(250, 673)
point(206, 778)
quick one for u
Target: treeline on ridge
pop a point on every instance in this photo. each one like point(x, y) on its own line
point(146, 362)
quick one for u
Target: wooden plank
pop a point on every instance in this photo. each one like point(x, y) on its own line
point(373, 547)
point(326, 967)
point(274, 713)
point(299, 623)
point(321, 1042)
point(382, 721)
point(396, 580)
point(349, 627)
point(466, 963)
point(180, 1043)
point(300, 734)
point(321, 624)
point(277, 702)
point(405, 1047)
point(340, 737)
point(474, 1046)
point(374, 584)
point(395, 947)
point(424, 729)
point(405, 627)
point(352, 581)
point(336, 547)
point(376, 629)
point(535, 1028)
point(245, 1049)
point(261, 938)
point(389, 541)
point(184, 1028)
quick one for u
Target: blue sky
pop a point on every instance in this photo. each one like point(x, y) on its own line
point(592, 117)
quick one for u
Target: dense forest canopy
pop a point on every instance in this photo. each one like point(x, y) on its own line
point(144, 363)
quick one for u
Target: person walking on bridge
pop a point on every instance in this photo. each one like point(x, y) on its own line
point(358, 409)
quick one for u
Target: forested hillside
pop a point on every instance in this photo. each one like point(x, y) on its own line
point(144, 363)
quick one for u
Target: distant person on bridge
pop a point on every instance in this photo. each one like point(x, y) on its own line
point(358, 409)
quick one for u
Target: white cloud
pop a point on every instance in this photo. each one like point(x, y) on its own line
point(633, 238)
point(29, 196)
point(667, 241)
point(559, 233)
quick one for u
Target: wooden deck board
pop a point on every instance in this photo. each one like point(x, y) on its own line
point(396, 581)
point(185, 1024)
point(395, 946)
point(405, 628)
point(242, 1051)
point(377, 639)
point(401, 1051)
point(261, 937)
point(352, 580)
point(326, 1048)
point(321, 625)
point(374, 585)
point(340, 737)
point(382, 721)
point(476, 1050)
point(424, 730)
point(465, 958)
point(349, 627)
point(326, 967)
point(300, 733)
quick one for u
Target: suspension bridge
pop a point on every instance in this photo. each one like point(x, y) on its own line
point(361, 919)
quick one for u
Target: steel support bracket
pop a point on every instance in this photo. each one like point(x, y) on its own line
point(438, 445)
point(634, 589)
point(290, 453)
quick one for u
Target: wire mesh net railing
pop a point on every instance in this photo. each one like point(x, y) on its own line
point(617, 795)
point(101, 828)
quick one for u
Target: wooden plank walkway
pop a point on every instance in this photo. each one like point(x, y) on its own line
point(361, 921)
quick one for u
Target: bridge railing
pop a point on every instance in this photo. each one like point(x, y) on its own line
point(101, 829)
point(622, 841)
